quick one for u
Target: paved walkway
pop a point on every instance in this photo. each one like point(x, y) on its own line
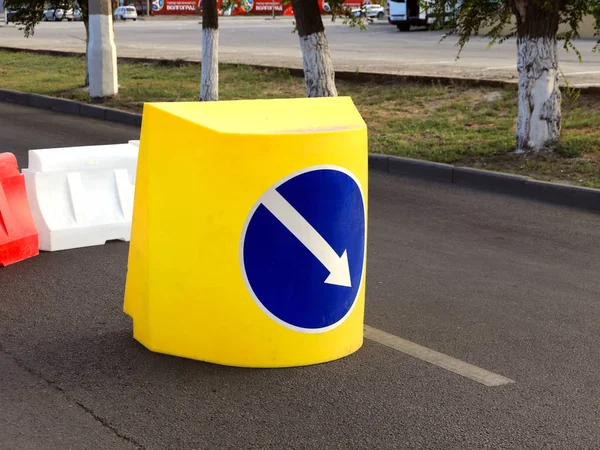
point(260, 41)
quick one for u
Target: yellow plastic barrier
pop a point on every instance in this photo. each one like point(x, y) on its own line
point(248, 242)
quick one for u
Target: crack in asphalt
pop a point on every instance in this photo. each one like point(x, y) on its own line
point(54, 385)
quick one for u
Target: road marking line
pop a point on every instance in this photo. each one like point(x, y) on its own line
point(584, 85)
point(499, 68)
point(439, 359)
point(581, 73)
point(421, 63)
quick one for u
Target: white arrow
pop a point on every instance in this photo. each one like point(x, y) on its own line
point(339, 270)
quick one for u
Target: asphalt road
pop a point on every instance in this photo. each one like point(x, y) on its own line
point(258, 41)
point(506, 284)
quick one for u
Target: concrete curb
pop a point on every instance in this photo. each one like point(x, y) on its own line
point(352, 76)
point(71, 107)
point(359, 77)
point(485, 180)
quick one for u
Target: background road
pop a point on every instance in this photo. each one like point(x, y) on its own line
point(271, 42)
point(506, 284)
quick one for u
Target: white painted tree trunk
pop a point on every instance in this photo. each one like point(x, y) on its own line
point(102, 57)
point(209, 82)
point(319, 75)
point(86, 23)
point(539, 116)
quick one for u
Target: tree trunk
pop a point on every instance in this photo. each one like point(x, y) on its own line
point(319, 75)
point(102, 53)
point(539, 114)
point(209, 80)
point(539, 118)
point(86, 23)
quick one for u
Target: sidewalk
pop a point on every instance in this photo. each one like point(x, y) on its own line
point(262, 41)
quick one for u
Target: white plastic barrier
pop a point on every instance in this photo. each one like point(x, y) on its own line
point(82, 196)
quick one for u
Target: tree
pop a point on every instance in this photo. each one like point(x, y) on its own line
point(318, 69)
point(535, 24)
point(101, 56)
point(319, 75)
point(102, 52)
point(209, 78)
point(29, 14)
point(85, 18)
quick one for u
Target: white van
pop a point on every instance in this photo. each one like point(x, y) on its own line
point(125, 12)
point(404, 13)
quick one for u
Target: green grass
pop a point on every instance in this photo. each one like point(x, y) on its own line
point(452, 124)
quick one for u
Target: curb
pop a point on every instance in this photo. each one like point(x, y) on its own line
point(71, 107)
point(352, 76)
point(484, 180)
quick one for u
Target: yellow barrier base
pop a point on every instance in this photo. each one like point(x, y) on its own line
point(248, 243)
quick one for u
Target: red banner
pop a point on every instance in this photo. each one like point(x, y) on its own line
point(266, 6)
point(254, 7)
point(179, 7)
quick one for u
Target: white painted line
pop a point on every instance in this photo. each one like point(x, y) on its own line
point(584, 85)
point(439, 359)
point(581, 73)
point(435, 63)
point(499, 68)
point(425, 63)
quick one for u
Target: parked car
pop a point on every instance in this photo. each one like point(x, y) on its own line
point(125, 12)
point(370, 11)
point(11, 15)
point(73, 14)
point(53, 14)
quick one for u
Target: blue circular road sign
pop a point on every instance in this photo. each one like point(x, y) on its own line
point(303, 248)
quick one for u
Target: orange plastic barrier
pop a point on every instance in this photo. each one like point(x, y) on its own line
point(18, 235)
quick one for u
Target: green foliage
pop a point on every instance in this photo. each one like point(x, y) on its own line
point(229, 4)
point(502, 18)
point(29, 12)
point(338, 9)
point(574, 150)
point(570, 94)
